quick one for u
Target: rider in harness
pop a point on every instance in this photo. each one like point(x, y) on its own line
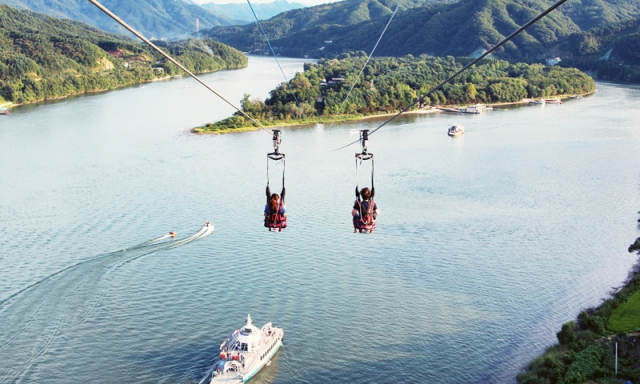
point(275, 212)
point(364, 212)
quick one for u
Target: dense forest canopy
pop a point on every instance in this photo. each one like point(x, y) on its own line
point(323, 17)
point(390, 84)
point(459, 28)
point(612, 52)
point(44, 58)
point(154, 18)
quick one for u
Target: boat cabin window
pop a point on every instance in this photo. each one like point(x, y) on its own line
point(247, 330)
point(244, 347)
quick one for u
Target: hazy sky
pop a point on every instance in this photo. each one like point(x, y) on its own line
point(305, 2)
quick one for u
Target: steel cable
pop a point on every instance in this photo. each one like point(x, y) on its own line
point(149, 43)
point(264, 33)
point(335, 117)
point(487, 53)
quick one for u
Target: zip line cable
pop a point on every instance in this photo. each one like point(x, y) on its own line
point(273, 52)
point(335, 117)
point(149, 43)
point(487, 53)
point(264, 33)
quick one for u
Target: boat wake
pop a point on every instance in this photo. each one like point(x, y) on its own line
point(35, 316)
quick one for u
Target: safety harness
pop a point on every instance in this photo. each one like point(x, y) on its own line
point(365, 220)
point(276, 220)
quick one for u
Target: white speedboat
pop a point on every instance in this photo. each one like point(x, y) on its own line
point(246, 351)
point(456, 130)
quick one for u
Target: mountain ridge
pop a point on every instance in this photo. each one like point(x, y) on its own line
point(427, 28)
point(153, 18)
point(242, 12)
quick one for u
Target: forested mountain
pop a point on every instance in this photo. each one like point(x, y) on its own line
point(322, 18)
point(619, 42)
point(242, 12)
point(589, 14)
point(154, 18)
point(42, 57)
point(457, 29)
point(612, 53)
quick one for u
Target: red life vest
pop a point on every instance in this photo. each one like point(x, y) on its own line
point(364, 220)
point(276, 219)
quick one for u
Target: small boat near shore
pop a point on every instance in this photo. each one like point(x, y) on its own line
point(4, 111)
point(538, 102)
point(554, 101)
point(455, 130)
point(471, 109)
point(246, 351)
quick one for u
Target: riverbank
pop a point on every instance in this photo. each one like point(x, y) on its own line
point(156, 79)
point(601, 345)
point(219, 128)
point(211, 129)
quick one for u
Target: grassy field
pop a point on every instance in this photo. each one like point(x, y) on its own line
point(626, 317)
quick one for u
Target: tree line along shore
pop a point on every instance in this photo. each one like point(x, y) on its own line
point(587, 346)
point(44, 58)
point(390, 84)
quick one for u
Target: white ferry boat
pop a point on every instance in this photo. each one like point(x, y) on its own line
point(456, 130)
point(246, 351)
point(538, 102)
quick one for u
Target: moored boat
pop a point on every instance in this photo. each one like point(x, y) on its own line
point(473, 109)
point(554, 101)
point(4, 111)
point(455, 130)
point(246, 351)
point(538, 102)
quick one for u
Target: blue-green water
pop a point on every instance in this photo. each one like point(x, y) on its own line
point(486, 244)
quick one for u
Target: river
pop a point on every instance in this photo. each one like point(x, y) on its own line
point(486, 243)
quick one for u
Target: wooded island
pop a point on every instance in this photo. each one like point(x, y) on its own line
point(390, 84)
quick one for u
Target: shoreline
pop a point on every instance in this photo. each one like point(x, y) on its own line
point(10, 104)
point(587, 345)
point(199, 130)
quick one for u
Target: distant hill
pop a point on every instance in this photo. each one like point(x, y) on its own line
point(325, 17)
point(618, 42)
point(42, 57)
point(242, 12)
point(463, 28)
point(611, 53)
point(154, 18)
point(589, 14)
